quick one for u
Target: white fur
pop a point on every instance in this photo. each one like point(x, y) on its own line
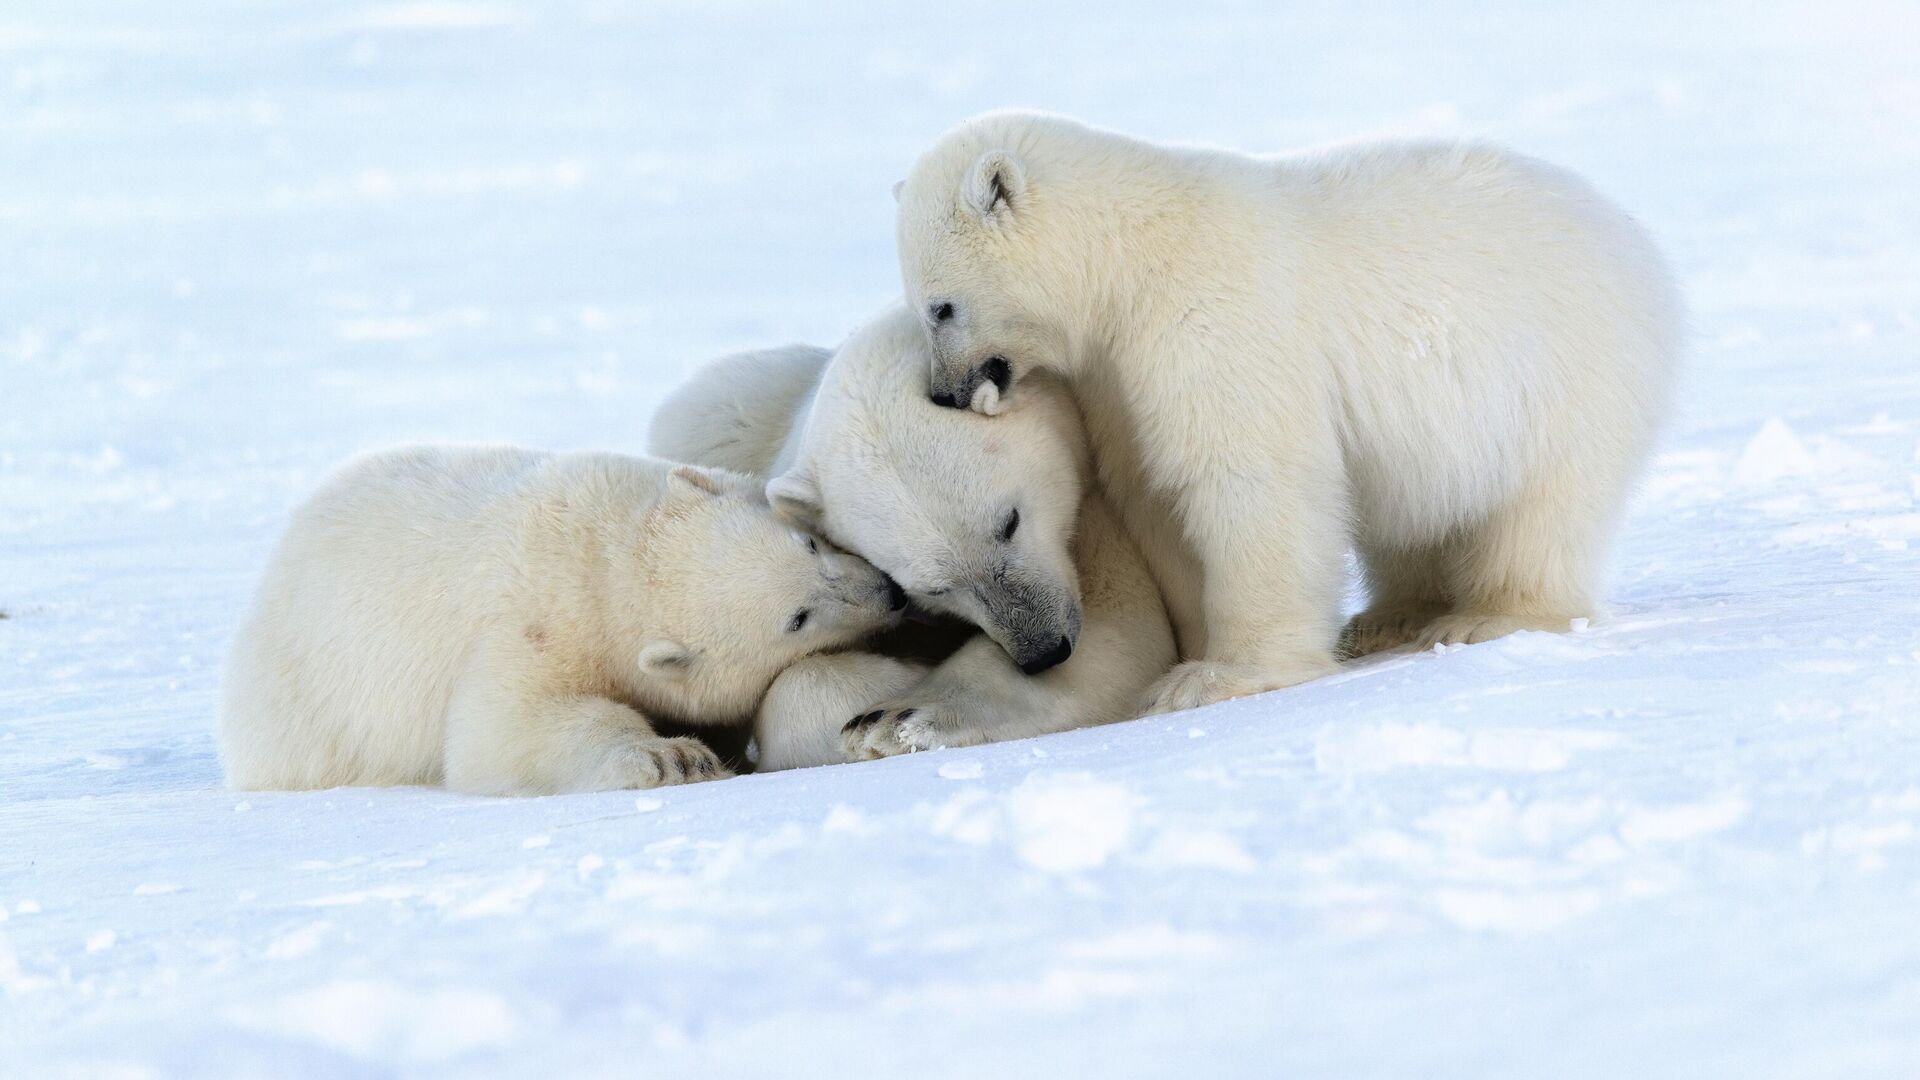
point(802, 722)
point(505, 621)
point(924, 494)
point(1451, 356)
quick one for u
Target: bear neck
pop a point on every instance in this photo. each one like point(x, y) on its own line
point(1153, 234)
point(611, 596)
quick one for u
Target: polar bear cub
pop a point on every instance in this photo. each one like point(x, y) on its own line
point(507, 621)
point(1451, 357)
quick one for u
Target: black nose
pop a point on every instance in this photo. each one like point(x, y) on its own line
point(896, 596)
point(944, 399)
point(1054, 658)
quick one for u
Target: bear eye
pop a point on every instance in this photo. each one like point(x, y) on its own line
point(813, 546)
point(799, 620)
point(941, 312)
point(1010, 525)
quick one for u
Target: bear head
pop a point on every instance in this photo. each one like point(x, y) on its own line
point(973, 517)
point(725, 594)
point(992, 256)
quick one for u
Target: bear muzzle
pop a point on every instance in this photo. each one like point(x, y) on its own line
point(1037, 631)
point(961, 392)
point(1053, 658)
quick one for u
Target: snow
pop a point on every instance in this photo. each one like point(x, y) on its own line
point(243, 241)
point(961, 770)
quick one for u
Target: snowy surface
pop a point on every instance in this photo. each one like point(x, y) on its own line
point(239, 241)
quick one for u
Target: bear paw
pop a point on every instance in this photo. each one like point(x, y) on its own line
point(890, 731)
point(650, 763)
point(1472, 628)
point(1204, 682)
point(1379, 629)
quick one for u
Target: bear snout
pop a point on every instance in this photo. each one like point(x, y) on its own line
point(1037, 629)
point(995, 371)
point(962, 391)
point(948, 393)
point(1053, 658)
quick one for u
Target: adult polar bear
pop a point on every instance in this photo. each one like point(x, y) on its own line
point(1454, 357)
point(992, 521)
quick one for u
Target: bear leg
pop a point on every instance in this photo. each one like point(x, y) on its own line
point(1531, 564)
point(513, 730)
point(1272, 544)
point(1406, 593)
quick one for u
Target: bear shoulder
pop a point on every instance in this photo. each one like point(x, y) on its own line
point(737, 411)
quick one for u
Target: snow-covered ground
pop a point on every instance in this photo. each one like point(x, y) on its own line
point(241, 240)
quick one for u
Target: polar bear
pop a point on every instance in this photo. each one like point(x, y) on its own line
point(506, 621)
point(1450, 356)
point(991, 521)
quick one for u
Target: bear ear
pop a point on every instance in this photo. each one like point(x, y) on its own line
point(897, 185)
point(665, 659)
point(796, 497)
point(687, 480)
point(995, 185)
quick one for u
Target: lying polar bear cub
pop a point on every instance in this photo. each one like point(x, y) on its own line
point(507, 621)
point(992, 521)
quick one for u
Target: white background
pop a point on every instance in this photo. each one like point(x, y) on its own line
point(239, 241)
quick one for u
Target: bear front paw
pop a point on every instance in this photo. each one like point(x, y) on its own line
point(890, 731)
point(651, 763)
point(1205, 682)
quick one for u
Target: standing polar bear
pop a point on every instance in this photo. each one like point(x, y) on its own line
point(512, 623)
point(990, 520)
point(1451, 356)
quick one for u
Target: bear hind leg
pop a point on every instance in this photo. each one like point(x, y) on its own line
point(1406, 593)
point(1531, 565)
